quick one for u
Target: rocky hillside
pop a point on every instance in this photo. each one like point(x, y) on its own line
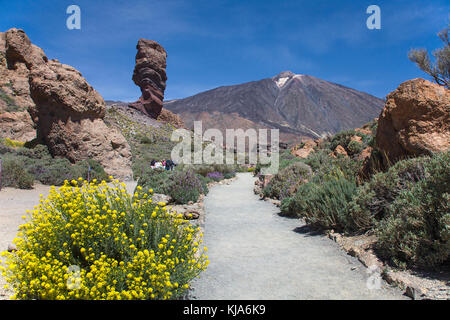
point(298, 105)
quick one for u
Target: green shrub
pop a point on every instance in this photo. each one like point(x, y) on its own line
point(288, 207)
point(52, 171)
point(342, 138)
point(96, 170)
point(323, 205)
point(287, 159)
point(286, 182)
point(11, 105)
point(373, 199)
point(230, 175)
point(319, 159)
point(354, 147)
point(14, 174)
point(186, 187)
point(182, 185)
point(160, 180)
point(416, 231)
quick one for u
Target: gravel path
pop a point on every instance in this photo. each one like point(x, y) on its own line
point(13, 205)
point(256, 254)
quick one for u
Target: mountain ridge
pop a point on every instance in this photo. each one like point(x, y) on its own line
point(298, 105)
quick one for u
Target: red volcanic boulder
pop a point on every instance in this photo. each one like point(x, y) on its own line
point(304, 151)
point(150, 75)
point(17, 57)
point(69, 119)
point(414, 121)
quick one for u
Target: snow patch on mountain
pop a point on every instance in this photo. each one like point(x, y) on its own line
point(281, 82)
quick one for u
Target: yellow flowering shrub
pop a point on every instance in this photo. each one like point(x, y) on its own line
point(95, 241)
point(12, 143)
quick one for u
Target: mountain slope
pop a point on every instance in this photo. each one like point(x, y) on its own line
point(299, 105)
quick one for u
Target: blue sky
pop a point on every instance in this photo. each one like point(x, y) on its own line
point(223, 42)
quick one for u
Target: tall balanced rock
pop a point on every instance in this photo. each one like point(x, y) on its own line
point(67, 112)
point(150, 75)
point(415, 121)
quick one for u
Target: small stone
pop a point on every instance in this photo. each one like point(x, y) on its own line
point(191, 215)
point(12, 248)
point(159, 197)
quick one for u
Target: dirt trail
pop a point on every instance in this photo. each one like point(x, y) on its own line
point(256, 254)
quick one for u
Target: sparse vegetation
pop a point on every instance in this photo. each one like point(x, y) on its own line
point(372, 200)
point(14, 175)
point(37, 164)
point(11, 105)
point(416, 230)
point(406, 206)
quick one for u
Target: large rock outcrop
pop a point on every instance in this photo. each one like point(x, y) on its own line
point(150, 76)
point(67, 112)
point(414, 121)
point(17, 56)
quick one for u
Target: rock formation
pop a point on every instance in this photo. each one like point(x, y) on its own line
point(415, 121)
point(67, 112)
point(171, 118)
point(150, 76)
point(16, 53)
point(303, 150)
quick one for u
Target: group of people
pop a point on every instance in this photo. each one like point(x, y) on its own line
point(165, 164)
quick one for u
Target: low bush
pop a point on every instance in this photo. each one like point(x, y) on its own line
point(416, 230)
point(342, 138)
point(91, 169)
point(286, 182)
point(323, 205)
point(229, 175)
point(98, 242)
point(215, 176)
point(160, 180)
point(372, 200)
point(287, 159)
point(187, 186)
point(319, 159)
point(354, 147)
point(14, 175)
point(38, 163)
